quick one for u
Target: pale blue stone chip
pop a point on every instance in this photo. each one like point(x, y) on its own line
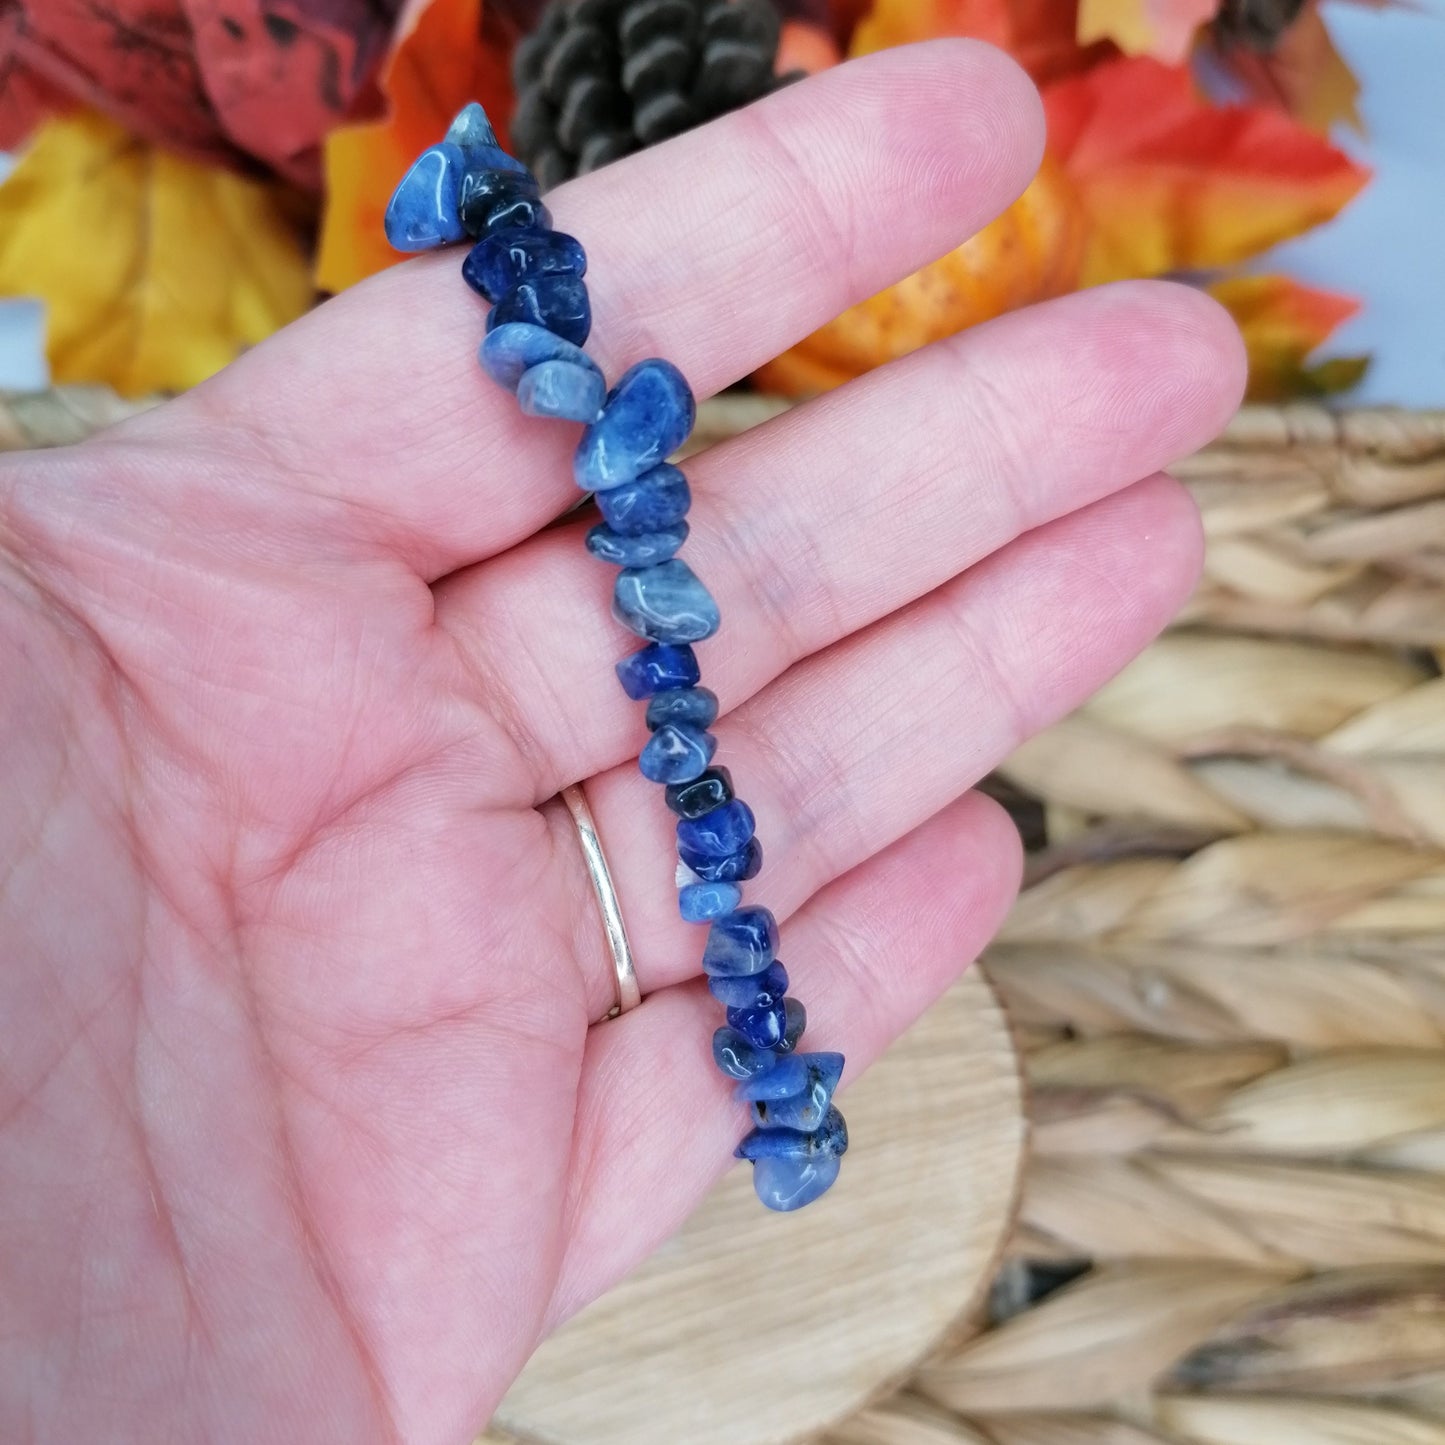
point(561, 389)
point(514, 347)
point(808, 1107)
point(702, 902)
point(676, 753)
point(742, 942)
point(424, 211)
point(665, 603)
point(787, 1184)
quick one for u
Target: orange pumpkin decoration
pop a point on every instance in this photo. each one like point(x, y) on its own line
point(1029, 253)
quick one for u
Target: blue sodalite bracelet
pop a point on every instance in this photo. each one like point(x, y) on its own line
point(468, 188)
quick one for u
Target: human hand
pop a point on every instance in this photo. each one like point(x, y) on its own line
point(304, 1131)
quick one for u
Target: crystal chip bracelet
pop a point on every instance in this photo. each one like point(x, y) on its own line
point(468, 188)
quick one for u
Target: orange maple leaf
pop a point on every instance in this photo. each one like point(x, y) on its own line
point(444, 56)
point(1282, 323)
point(807, 47)
point(1039, 34)
point(1172, 183)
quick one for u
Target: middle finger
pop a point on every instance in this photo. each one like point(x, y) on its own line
point(846, 509)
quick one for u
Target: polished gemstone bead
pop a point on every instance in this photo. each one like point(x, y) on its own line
point(472, 131)
point(658, 667)
point(665, 603)
point(513, 349)
point(499, 263)
point(645, 549)
point(760, 1024)
point(737, 867)
point(525, 210)
point(789, 1077)
point(649, 414)
point(832, 1134)
point(494, 158)
point(481, 186)
point(424, 211)
point(807, 1108)
point(787, 1184)
point(702, 902)
point(766, 987)
point(711, 790)
point(561, 389)
point(695, 705)
point(830, 1138)
point(736, 1057)
point(791, 1168)
point(797, 1022)
point(655, 500)
point(675, 753)
point(499, 200)
point(557, 302)
point(719, 833)
point(741, 942)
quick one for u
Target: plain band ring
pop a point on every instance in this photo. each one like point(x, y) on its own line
point(628, 993)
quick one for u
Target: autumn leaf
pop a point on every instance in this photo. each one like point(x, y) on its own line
point(1162, 28)
point(1282, 323)
point(194, 263)
point(1172, 183)
point(839, 17)
point(806, 47)
point(25, 100)
point(26, 97)
point(210, 79)
point(1039, 34)
point(131, 59)
point(444, 57)
point(1302, 73)
point(280, 74)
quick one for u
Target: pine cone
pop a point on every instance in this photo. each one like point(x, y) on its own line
point(1256, 24)
point(599, 79)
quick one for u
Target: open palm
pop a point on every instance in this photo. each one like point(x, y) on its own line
point(304, 1131)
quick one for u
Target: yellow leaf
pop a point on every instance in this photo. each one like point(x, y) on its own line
point(155, 272)
point(1161, 28)
point(1322, 85)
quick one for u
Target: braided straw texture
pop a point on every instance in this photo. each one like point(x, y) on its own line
point(1227, 974)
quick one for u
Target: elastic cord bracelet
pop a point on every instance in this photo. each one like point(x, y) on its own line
point(467, 188)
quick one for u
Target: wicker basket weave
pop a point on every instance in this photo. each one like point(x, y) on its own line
point(1228, 974)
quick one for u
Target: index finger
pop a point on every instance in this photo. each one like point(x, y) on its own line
point(717, 250)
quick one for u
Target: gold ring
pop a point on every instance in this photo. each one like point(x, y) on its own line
point(628, 993)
